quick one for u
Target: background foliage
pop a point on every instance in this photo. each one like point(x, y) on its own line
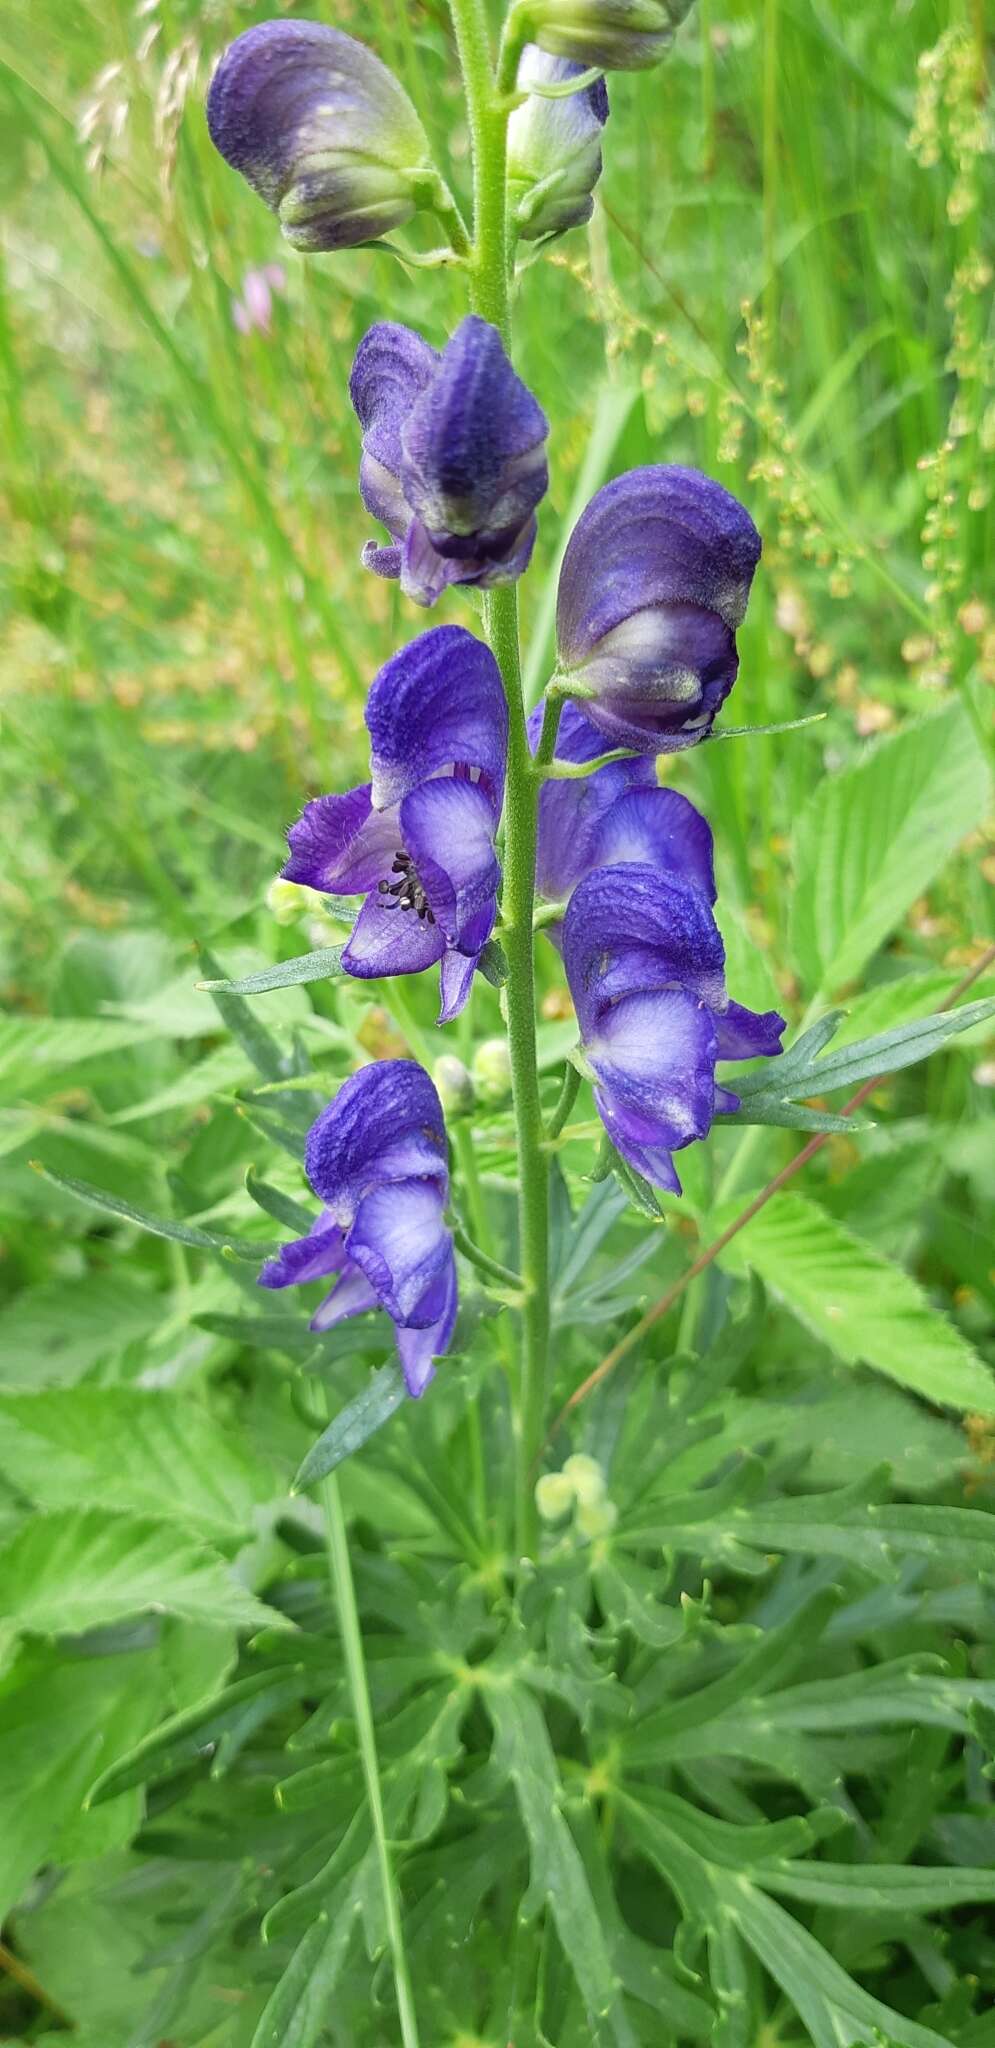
point(719, 1772)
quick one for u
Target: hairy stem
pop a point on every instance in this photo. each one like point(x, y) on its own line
point(359, 1691)
point(489, 296)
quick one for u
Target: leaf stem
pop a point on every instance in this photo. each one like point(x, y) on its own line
point(489, 265)
point(352, 1645)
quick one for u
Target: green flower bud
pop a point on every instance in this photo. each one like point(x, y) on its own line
point(491, 1069)
point(454, 1083)
point(586, 1478)
point(619, 35)
point(554, 1496)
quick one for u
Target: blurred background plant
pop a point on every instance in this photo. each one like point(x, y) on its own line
point(788, 281)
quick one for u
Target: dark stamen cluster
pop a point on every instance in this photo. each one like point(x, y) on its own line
point(407, 891)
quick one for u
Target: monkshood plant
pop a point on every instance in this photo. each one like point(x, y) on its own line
point(558, 1786)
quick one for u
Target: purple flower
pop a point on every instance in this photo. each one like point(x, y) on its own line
point(620, 35)
point(454, 457)
point(654, 584)
point(321, 130)
point(376, 1159)
point(554, 148)
point(646, 968)
point(417, 840)
point(570, 812)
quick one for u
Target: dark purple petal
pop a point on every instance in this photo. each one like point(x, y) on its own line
point(558, 140)
point(455, 982)
point(341, 845)
point(660, 678)
point(385, 1124)
point(569, 812)
point(660, 535)
point(391, 368)
point(401, 1243)
point(749, 1034)
point(312, 1257)
point(423, 572)
point(320, 129)
point(638, 1140)
point(629, 929)
point(438, 704)
point(388, 939)
point(654, 583)
point(654, 1056)
point(352, 1295)
point(448, 829)
point(384, 562)
point(474, 463)
point(661, 829)
point(418, 1348)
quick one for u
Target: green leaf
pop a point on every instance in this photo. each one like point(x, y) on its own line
point(157, 1226)
point(324, 965)
point(86, 1568)
point(523, 1754)
point(354, 1425)
point(275, 1203)
point(258, 1044)
point(866, 1309)
point(872, 838)
point(839, 1524)
point(880, 1887)
point(886, 1053)
point(131, 1450)
point(185, 1738)
point(298, 2010)
point(41, 1344)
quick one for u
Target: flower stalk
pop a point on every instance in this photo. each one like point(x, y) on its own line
point(489, 267)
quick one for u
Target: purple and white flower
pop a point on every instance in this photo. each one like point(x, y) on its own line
point(646, 968)
point(376, 1159)
point(653, 587)
point(417, 840)
point(321, 130)
point(554, 148)
point(454, 457)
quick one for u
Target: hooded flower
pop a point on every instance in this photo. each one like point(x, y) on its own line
point(554, 148)
point(417, 840)
point(646, 968)
point(376, 1159)
point(321, 130)
point(571, 811)
point(620, 35)
point(654, 584)
point(454, 457)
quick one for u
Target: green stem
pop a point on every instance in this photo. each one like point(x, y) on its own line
point(352, 1644)
point(489, 296)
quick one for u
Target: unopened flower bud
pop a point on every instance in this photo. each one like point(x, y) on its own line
point(454, 1083)
point(320, 128)
point(286, 901)
point(554, 1496)
point(620, 35)
point(596, 1518)
point(554, 148)
point(654, 584)
point(454, 457)
point(586, 1478)
point(492, 1070)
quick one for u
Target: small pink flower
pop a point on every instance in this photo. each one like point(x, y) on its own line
point(253, 312)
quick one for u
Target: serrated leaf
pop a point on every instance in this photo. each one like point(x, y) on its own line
point(157, 1226)
point(86, 1568)
point(130, 1450)
point(354, 1425)
point(872, 838)
point(866, 1309)
point(323, 965)
point(523, 1754)
point(838, 1524)
point(41, 1344)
